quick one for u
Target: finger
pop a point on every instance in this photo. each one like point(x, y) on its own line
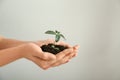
point(76, 47)
point(64, 60)
point(58, 64)
point(62, 54)
point(75, 53)
point(49, 63)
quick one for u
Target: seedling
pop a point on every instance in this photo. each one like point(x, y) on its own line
point(57, 34)
point(53, 47)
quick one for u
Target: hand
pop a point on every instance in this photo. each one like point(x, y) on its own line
point(34, 53)
point(62, 57)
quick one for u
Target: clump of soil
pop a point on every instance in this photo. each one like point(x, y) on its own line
point(52, 48)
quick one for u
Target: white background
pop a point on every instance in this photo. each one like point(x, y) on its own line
point(93, 24)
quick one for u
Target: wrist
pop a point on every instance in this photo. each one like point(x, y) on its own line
point(27, 49)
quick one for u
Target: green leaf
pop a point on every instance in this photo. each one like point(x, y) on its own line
point(62, 36)
point(57, 32)
point(50, 32)
point(57, 38)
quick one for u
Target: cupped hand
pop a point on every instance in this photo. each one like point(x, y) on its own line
point(64, 56)
point(61, 58)
point(34, 53)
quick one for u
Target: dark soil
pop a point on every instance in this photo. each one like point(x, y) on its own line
point(52, 48)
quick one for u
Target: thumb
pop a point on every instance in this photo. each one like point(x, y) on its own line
point(47, 56)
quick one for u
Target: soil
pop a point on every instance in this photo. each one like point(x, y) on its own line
point(52, 48)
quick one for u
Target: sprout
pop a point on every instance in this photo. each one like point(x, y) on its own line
point(57, 34)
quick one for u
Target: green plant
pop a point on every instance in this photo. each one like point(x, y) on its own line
point(57, 34)
point(53, 47)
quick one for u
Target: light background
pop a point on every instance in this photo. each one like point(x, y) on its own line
point(93, 24)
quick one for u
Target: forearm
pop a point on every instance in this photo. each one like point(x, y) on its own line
point(9, 55)
point(8, 43)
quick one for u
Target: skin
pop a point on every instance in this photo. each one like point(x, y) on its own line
point(12, 50)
